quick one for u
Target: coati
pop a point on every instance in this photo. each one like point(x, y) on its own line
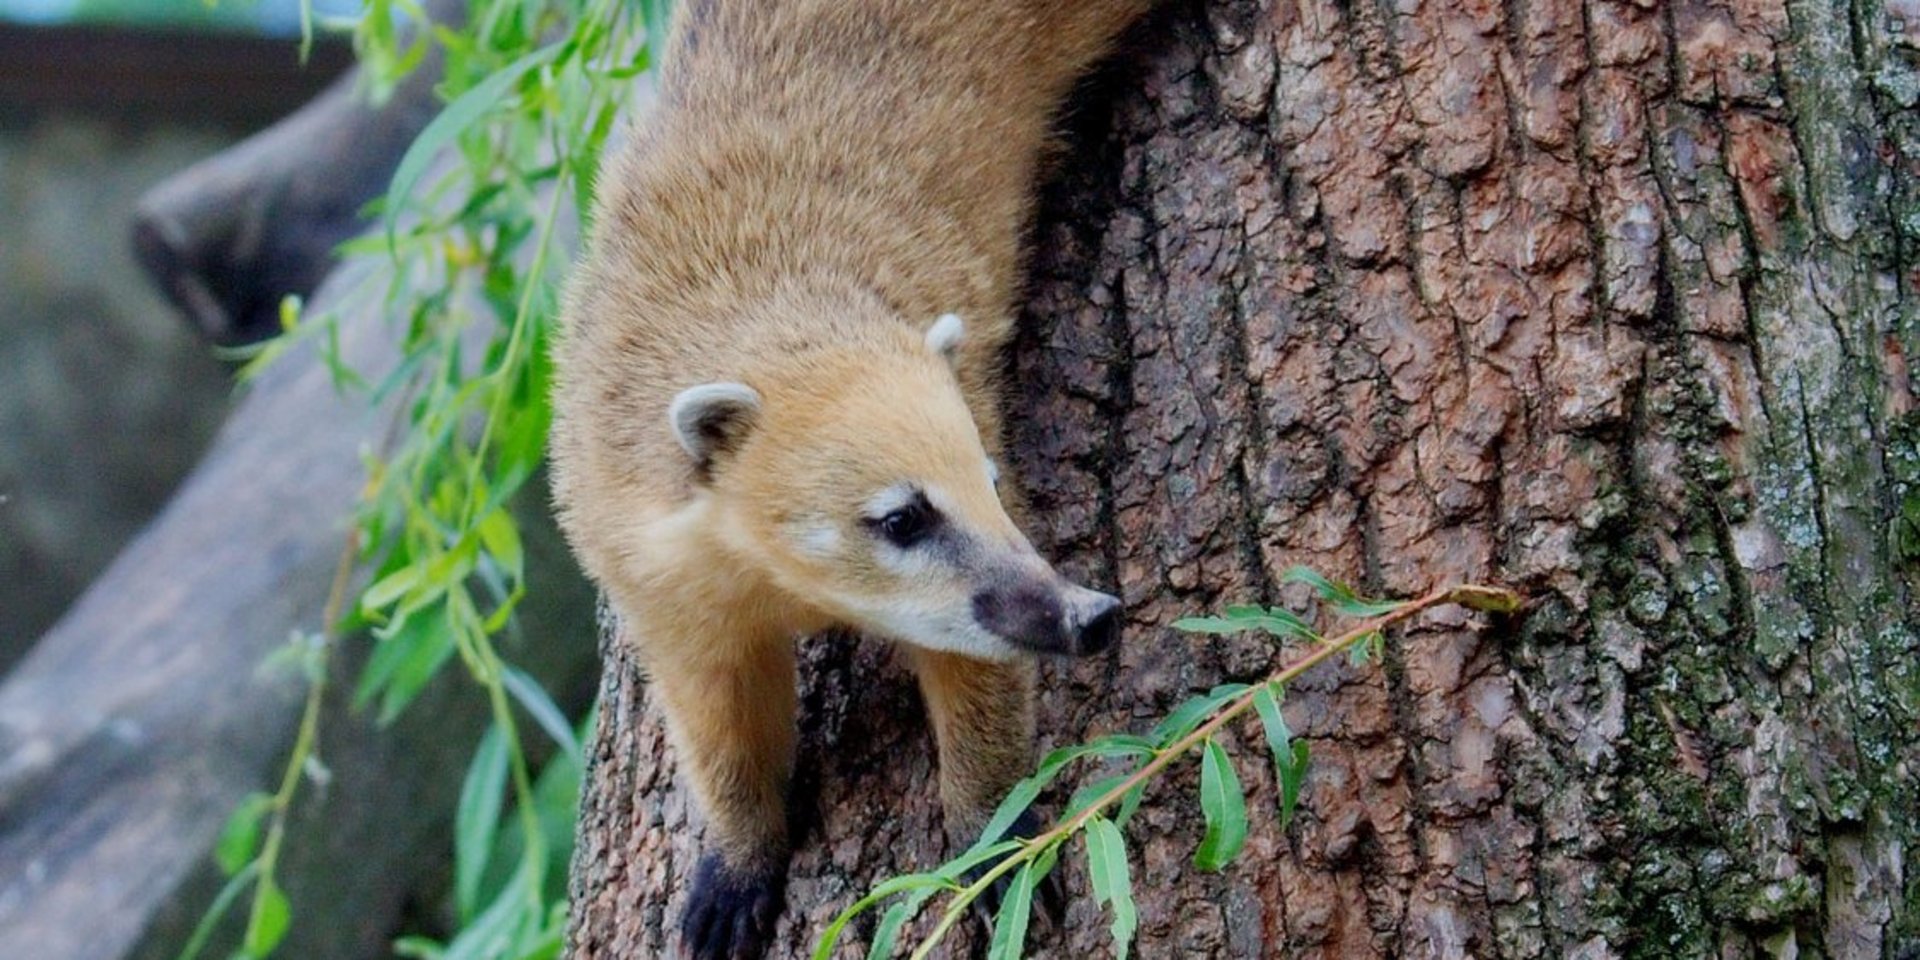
point(777, 399)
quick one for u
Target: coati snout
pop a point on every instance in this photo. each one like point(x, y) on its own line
point(1053, 617)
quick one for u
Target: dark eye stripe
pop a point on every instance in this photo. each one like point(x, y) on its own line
point(908, 524)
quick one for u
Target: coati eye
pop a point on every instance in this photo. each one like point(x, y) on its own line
point(909, 523)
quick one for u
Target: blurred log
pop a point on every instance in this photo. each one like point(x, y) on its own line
point(134, 727)
point(229, 237)
point(136, 724)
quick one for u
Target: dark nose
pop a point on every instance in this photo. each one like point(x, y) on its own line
point(1101, 626)
point(1028, 614)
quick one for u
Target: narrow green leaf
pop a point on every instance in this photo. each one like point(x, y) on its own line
point(953, 871)
point(1292, 776)
point(390, 588)
point(1366, 648)
point(462, 113)
point(1017, 801)
point(241, 835)
point(886, 934)
point(415, 665)
point(501, 536)
point(1289, 766)
point(482, 937)
point(1010, 927)
point(1112, 885)
point(910, 883)
point(478, 819)
point(1274, 620)
point(271, 915)
point(1194, 712)
point(543, 710)
point(1111, 745)
point(1217, 625)
point(1130, 803)
point(393, 644)
point(1239, 619)
point(222, 902)
point(418, 948)
point(1089, 792)
point(1340, 596)
point(1225, 808)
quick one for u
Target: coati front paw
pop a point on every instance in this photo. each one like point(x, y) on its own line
point(730, 916)
point(1051, 898)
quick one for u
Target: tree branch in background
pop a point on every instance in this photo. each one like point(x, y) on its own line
point(228, 238)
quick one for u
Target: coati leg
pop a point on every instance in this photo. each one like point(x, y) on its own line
point(982, 714)
point(730, 705)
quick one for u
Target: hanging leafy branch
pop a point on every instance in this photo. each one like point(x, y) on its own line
point(470, 247)
point(1099, 811)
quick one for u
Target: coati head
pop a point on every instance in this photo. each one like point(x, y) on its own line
point(853, 477)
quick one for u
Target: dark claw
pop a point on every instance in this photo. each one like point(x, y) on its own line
point(729, 916)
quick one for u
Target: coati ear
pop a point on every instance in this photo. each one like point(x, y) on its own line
point(713, 417)
point(945, 335)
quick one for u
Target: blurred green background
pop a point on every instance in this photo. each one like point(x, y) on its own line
point(269, 17)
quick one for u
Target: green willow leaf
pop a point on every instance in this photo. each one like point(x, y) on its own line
point(1010, 927)
point(222, 902)
point(909, 883)
point(1340, 596)
point(240, 838)
point(1225, 808)
point(415, 664)
point(1241, 618)
point(1210, 625)
point(463, 112)
point(391, 588)
point(1274, 620)
point(1194, 712)
point(477, 819)
point(1089, 792)
point(886, 934)
point(1289, 755)
point(501, 536)
point(1112, 886)
point(1292, 776)
point(545, 712)
point(1366, 648)
point(271, 917)
point(954, 870)
point(1019, 799)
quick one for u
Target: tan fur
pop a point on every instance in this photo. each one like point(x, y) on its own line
point(821, 180)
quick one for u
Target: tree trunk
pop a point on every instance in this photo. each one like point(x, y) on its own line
point(1610, 302)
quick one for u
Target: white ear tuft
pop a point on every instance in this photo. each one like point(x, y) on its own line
point(945, 335)
point(712, 417)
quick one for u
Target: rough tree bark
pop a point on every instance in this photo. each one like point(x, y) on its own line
point(1609, 301)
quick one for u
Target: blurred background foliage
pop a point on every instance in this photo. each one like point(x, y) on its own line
point(269, 17)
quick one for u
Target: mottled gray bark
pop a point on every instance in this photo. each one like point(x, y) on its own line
point(1608, 301)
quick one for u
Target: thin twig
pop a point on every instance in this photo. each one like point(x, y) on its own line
point(1469, 595)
